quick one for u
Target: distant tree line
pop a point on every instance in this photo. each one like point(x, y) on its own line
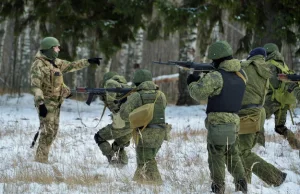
point(138, 31)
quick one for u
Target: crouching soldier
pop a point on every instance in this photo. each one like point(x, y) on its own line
point(118, 130)
point(148, 138)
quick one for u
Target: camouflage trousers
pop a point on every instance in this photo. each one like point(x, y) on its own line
point(121, 137)
point(48, 131)
point(221, 155)
point(149, 144)
point(255, 164)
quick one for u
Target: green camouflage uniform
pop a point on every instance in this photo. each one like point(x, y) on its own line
point(118, 130)
point(48, 87)
point(272, 106)
point(258, 73)
point(219, 155)
point(152, 136)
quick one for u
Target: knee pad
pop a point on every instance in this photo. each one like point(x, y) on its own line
point(98, 139)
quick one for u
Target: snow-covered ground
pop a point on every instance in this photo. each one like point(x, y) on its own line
point(77, 165)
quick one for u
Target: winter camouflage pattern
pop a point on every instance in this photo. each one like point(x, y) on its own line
point(118, 130)
point(48, 88)
point(258, 72)
point(151, 138)
point(219, 155)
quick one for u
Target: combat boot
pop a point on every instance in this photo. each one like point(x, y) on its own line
point(122, 156)
point(218, 188)
point(281, 179)
point(241, 185)
point(281, 129)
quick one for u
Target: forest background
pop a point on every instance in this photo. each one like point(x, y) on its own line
point(125, 32)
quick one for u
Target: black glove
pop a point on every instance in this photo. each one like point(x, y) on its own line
point(281, 129)
point(121, 101)
point(43, 110)
point(94, 60)
point(192, 78)
point(292, 86)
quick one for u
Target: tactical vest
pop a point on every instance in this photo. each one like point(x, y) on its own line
point(231, 96)
point(52, 84)
point(159, 110)
point(281, 94)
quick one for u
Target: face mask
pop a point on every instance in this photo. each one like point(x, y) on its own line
point(50, 54)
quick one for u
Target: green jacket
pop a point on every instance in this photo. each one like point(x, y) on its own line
point(258, 72)
point(210, 85)
point(134, 100)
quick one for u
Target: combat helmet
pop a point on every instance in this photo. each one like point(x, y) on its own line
point(219, 49)
point(109, 75)
point(49, 42)
point(271, 47)
point(141, 75)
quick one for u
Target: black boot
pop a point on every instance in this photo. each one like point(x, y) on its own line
point(218, 188)
point(241, 185)
point(281, 179)
point(281, 129)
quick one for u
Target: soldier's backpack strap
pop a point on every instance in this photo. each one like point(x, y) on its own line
point(241, 76)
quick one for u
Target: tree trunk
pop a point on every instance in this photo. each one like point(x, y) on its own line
point(187, 49)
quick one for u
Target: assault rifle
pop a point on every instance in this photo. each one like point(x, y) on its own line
point(188, 65)
point(289, 77)
point(100, 91)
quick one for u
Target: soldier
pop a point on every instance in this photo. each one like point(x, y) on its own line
point(118, 130)
point(50, 91)
point(253, 117)
point(224, 89)
point(280, 97)
point(152, 136)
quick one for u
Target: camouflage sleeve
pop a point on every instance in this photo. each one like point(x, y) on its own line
point(111, 96)
point(67, 66)
point(209, 85)
point(273, 80)
point(36, 82)
point(133, 101)
point(164, 99)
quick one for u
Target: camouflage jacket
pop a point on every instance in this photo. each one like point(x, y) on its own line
point(258, 72)
point(116, 81)
point(210, 85)
point(47, 80)
point(134, 100)
point(273, 80)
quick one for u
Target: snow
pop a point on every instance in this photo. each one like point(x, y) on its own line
point(76, 164)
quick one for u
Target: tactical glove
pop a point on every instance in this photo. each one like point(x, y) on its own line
point(292, 86)
point(192, 78)
point(94, 60)
point(281, 129)
point(43, 110)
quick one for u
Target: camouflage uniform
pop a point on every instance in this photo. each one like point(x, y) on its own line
point(258, 73)
point(48, 88)
point(118, 130)
point(222, 126)
point(153, 135)
point(272, 106)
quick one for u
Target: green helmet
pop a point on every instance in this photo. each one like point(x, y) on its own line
point(48, 43)
point(219, 49)
point(142, 75)
point(108, 76)
point(271, 47)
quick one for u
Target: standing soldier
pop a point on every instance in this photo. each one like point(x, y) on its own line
point(152, 135)
point(119, 130)
point(280, 97)
point(253, 117)
point(224, 89)
point(50, 91)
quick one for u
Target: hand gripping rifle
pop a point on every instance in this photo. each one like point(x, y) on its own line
point(188, 65)
point(289, 77)
point(100, 91)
